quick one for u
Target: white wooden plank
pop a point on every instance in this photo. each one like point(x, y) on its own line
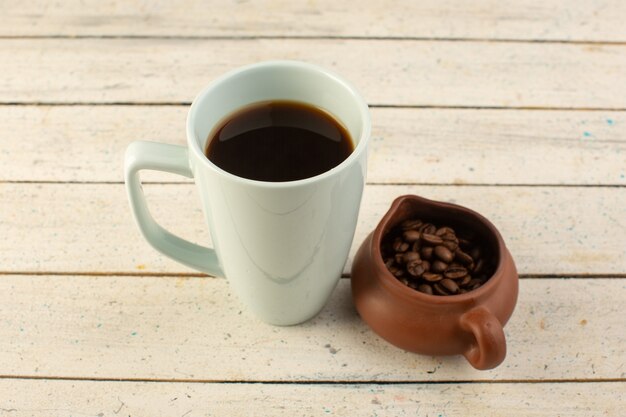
point(89, 227)
point(403, 72)
point(531, 19)
point(110, 399)
point(87, 143)
point(194, 329)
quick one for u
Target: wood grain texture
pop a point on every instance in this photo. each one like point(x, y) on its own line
point(169, 328)
point(407, 73)
point(489, 19)
point(88, 228)
point(87, 143)
point(141, 399)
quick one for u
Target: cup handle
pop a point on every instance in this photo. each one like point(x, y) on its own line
point(169, 158)
point(489, 347)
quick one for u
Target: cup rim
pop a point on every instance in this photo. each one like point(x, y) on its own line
point(393, 284)
point(360, 147)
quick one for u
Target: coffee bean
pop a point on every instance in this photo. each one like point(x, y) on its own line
point(409, 257)
point(444, 230)
point(411, 224)
point(438, 266)
point(449, 285)
point(415, 268)
point(463, 257)
point(399, 258)
point(438, 289)
point(432, 277)
point(466, 279)
point(399, 245)
point(444, 254)
point(430, 229)
point(398, 272)
point(473, 282)
point(451, 245)
point(432, 239)
point(462, 291)
point(464, 243)
point(450, 236)
point(389, 262)
point(454, 272)
point(425, 288)
point(411, 236)
point(426, 265)
point(478, 267)
point(417, 245)
point(427, 252)
point(474, 253)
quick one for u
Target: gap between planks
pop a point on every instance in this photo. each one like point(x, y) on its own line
point(314, 382)
point(421, 184)
point(371, 105)
point(347, 37)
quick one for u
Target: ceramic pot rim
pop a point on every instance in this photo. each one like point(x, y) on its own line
point(393, 284)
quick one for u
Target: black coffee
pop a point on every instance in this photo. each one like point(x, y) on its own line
point(278, 141)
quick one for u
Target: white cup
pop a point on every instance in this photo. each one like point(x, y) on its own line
point(281, 245)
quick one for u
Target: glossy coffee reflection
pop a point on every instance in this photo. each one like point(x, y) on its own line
point(278, 141)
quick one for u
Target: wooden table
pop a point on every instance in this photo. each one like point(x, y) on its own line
point(516, 109)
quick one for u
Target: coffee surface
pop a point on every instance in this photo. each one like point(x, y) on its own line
point(278, 141)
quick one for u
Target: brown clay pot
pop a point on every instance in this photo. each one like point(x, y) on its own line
point(469, 324)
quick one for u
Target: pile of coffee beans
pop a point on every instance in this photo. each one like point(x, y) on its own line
point(434, 260)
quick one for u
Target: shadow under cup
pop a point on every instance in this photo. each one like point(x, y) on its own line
point(281, 245)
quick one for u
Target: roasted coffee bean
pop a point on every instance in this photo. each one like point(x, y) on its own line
point(444, 230)
point(411, 236)
point(415, 268)
point(463, 257)
point(444, 254)
point(427, 252)
point(425, 288)
point(411, 224)
point(399, 258)
point(426, 265)
point(389, 263)
point(462, 291)
point(438, 289)
point(399, 245)
point(473, 282)
point(428, 228)
point(449, 285)
point(398, 272)
point(450, 236)
point(451, 245)
point(431, 239)
point(464, 243)
point(438, 267)
point(474, 252)
point(466, 279)
point(455, 272)
point(409, 257)
point(478, 268)
point(432, 277)
point(417, 245)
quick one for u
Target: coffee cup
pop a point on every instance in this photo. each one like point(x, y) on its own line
point(282, 246)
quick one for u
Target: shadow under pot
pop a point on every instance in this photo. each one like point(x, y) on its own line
point(470, 323)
